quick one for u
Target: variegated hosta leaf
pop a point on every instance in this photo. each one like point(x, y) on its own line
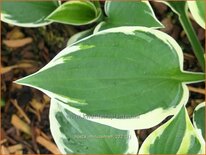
point(131, 13)
point(27, 13)
point(197, 8)
point(177, 136)
point(76, 12)
point(124, 75)
point(199, 119)
point(73, 134)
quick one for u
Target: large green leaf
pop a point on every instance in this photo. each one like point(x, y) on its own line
point(130, 74)
point(197, 8)
point(73, 134)
point(199, 119)
point(177, 136)
point(76, 12)
point(130, 13)
point(28, 13)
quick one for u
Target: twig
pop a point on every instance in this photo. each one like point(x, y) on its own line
point(197, 90)
point(47, 144)
point(21, 111)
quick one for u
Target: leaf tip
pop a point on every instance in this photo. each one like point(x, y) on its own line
point(23, 81)
point(20, 82)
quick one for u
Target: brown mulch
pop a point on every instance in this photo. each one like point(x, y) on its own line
point(24, 111)
point(25, 125)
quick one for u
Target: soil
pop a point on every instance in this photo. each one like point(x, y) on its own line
point(23, 107)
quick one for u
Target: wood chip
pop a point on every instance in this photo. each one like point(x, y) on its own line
point(24, 65)
point(3, 141)
point(18, 42)
point(48, 144)
point(197, 90)
point(167, 22)
point(33, 136)
point(11, 140)
point(16, 86)
point(4, 150)
point(3, 135)
point(36, 113)
point(201, 34)
point(7, 69)
point(21, 111)
point(190, 111)
point(20, 124)
point(37, 105)
point(45, 136)
point(188, 56)
point(4, 70)
point(14, 148)
point(19, 152)
point(15, 34)
point(162, 8)
point(46, 99)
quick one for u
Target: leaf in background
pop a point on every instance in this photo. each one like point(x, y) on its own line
point(75, 13)
point(130, 74)
point(129, 14)
point(197, 9)
point(177, 136)
point(73, 134)
point(181, 9)
point(79, 35)
point(199, 119)
point(27, 14)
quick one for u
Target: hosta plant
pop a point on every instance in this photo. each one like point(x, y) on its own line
point(121, 75)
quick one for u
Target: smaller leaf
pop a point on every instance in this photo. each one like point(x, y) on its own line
point(197, 8)
point(75, 13)
point(131, 13)
point(74, 134)
point(177, 136)
point(27, 14)
point(199, 119)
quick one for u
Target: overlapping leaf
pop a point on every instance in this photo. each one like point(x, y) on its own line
point(129, 74)
point(199, 119)
point(27, 13)
point(76, 12)
point(73, 134)
point(197, 8)
point(131, 13)
point(177, 136)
